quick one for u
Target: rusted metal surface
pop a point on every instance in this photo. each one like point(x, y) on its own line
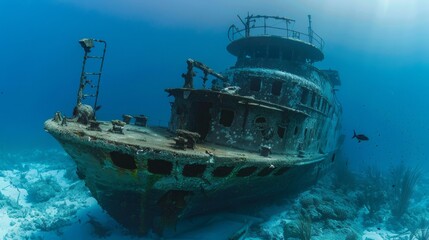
point(272, 117)
point(144, 165)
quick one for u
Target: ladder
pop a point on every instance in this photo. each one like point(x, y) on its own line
point(91, 71)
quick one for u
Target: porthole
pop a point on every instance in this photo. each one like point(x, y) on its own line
point(260, 123)
point(296, 130)
point(281, 131)
point(247, 171)
point(194, 170)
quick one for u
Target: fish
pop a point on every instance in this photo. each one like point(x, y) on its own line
point(359, 137)
point(97, 107)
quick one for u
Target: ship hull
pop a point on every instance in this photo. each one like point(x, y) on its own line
point(149, 196)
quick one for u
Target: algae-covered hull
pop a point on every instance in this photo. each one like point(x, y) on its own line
point(269, 125)
point(144, 183)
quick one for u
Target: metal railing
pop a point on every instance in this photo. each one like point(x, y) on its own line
point(261, 25)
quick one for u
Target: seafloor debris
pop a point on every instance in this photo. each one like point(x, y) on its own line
point(39, 194)
point(332, 209)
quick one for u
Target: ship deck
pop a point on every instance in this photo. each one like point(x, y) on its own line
point(159, 138)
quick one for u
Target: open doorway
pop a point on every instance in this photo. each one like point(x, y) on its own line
point(201, 118)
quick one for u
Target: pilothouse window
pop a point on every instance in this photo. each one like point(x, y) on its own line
point(255, 84)
point(313, 100)
point(277, 88)
point(304, 96)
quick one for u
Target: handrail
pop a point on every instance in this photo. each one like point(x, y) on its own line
point(260, 27)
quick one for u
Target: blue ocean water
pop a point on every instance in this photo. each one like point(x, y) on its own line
point(380, 49)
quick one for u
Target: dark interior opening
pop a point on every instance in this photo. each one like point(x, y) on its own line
point(226, 117)
point(296, 130)
point(281, 131)
point(277, 88)
point(158, 166)
point(247, 171)
point(265, 171)
point(255, 84)
point(194, 170)
point(123, 160)
point(222, 171)
point(201, 118)
point(313, 100)
point(304, 96)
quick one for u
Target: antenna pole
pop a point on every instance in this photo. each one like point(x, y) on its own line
point(310, 31)
point(247, 31)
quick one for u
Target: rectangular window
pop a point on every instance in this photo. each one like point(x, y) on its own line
point(304, 96)
point(320, 107)
point(313, 100)
point(316, 103)
point(277, 88)
point(255, 84)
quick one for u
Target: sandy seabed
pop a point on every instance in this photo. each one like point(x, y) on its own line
point(42, 198)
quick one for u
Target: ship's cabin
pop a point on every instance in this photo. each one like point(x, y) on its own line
point(273, 98)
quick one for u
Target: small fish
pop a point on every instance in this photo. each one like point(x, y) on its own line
point(393, 185)
point(97, 108)
point(360, 137)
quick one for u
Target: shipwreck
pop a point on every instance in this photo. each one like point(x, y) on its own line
point(269, 125)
